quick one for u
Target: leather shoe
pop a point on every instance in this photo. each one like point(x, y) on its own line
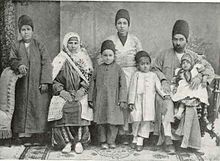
point(112, 146)
point(104, 146)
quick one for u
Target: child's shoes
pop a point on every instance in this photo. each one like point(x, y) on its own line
point(139, 148)
point(104, 146)
point(112, 146)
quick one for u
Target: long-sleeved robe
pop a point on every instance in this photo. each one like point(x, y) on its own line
point(109, 88)
point(31, 107)
point(125, 53)
point(142, 91)
point(166, 63)
point(69, 80)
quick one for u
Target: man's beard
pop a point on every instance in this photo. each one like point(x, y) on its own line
point(178, 49)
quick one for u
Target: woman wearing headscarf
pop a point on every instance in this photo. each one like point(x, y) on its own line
point(29, 58)
point(72, 70)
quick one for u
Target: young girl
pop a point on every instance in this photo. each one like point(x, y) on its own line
point(110, 92)
point(189, 101)
point(30, 58)
point(141, 99)
point(182, 92)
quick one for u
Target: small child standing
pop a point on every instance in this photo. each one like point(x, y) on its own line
point(110, 96)
point(143, 87)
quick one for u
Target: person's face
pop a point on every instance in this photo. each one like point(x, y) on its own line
point(186, 65)
point(179, 43)
point(144, 64)
point(26, 32)
point(122, 26)
point(108, 56)
point(73, 45)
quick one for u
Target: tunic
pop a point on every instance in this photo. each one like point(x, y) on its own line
point(109, 88)
point(125, 53)
point(142, 91)
point(69, 80)
point(167, 62)
point(31, 107)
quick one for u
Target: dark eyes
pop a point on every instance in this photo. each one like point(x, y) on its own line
point(181, 39)
point(28, 29)
point(75, 43)
point(124, 23)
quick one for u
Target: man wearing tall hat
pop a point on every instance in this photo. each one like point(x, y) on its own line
point(165, 64)
point(29, 57)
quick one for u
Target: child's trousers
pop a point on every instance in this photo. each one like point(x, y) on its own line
point(108, 133)
point(142, 128)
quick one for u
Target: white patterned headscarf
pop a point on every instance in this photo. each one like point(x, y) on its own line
point(66, 39)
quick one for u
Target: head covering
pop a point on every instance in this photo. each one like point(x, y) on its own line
point(181, 27)
point(70, 35)
point(122, 13)
point(25, 20)
point(108, 44)
point(73, 39)
point(188, 57)
point(141, 54)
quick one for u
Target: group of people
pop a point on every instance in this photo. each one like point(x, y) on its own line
point(126, 93)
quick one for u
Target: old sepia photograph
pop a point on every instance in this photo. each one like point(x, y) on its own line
point(109, 80)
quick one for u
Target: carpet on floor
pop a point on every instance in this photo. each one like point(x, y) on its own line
point(120, 153)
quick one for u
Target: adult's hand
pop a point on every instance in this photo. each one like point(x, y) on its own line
point(131, 107)
point(66, 95)
point(22, 69)
point(165, 86)
point(79, 94)
point(195, 82)
point(43, 88)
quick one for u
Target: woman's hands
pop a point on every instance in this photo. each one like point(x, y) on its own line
point(79, 94)
point(66, 95)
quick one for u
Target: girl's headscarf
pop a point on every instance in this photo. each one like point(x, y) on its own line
point(66, 39)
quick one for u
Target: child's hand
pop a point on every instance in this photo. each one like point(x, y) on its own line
point(122, 105)
point(165, 86)
point(174, 90)
point(204, 84)
point(131, 107)
point(90, 103)
point(43, 88)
